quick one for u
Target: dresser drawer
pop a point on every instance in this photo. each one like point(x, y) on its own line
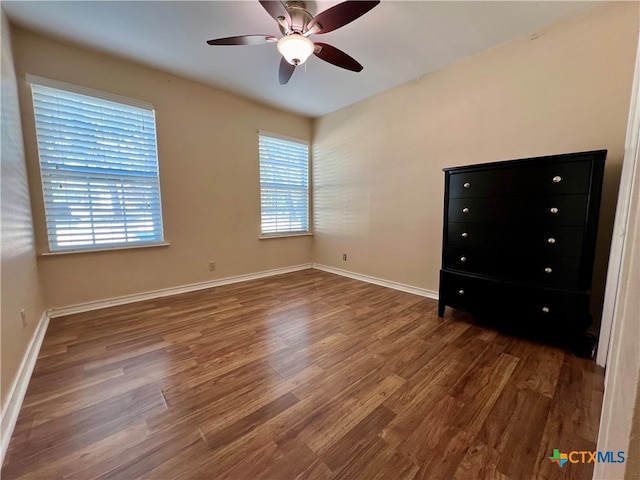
point(552, 271)
point(547, 210)
point(514, 238)
point(546, 240)
point(464, 292)
point(551, 178)
point(516, 307)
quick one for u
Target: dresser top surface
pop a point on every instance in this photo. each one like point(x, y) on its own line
point(597, 155)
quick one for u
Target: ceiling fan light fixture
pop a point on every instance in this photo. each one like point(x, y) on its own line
point(295, 48)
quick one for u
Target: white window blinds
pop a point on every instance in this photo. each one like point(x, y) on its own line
point(284, 185)
point(99, 169)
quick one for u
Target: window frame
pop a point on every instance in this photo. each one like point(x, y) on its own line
point(157, 225)
point(285, 233)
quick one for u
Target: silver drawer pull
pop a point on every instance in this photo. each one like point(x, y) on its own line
point(460, 292)
point(463, 259)
point(467, 185)
point(551, 240)
point(557, 179)
point(545, 309)
point(465, 234)
point(465, 210)
point(548, 269)
point(554, 210)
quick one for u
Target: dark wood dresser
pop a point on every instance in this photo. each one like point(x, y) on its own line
point(519, 241)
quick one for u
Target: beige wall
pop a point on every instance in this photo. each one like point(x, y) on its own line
point(207, 148)
point(20, 287)
point(378, 182)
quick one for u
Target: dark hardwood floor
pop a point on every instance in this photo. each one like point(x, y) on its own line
point(303, 375)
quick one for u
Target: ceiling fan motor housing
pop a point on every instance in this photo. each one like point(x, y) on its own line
point(299, 16)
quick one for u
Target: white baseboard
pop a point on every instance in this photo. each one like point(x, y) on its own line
point(18, 389)
point(165, 292)
point(423, 292)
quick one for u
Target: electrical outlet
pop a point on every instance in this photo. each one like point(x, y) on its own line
point(23, 317)
point(212, 266)
point(344, 257)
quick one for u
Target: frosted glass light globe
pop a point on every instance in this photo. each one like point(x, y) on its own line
point(295, 48)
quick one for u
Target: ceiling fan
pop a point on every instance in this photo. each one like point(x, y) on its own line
point(297, 24)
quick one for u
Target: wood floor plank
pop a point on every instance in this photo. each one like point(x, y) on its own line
point(441, 460)
point(571, 423)
point(92, 460)
point(520, 440)
point(540, 374)
point(341, 453)
point(480, 462)
point(49, 444)
point(320, 435)
point(343, 379)
point(306, 375)
point(479, 388)
point(258, 400)
point(161, 456)
point(378, 461)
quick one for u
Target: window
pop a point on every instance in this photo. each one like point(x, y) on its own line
point(99, 168)
point(284, 185)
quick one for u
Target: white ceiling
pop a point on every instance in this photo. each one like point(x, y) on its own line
point(396, 42)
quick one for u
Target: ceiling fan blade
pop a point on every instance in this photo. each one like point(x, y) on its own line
point(276, 9)
point(336, 57)
point(244, 40)
point(286, 70)
point(339, 15)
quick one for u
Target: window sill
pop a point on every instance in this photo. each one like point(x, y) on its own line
point(105, 249)
point(284, 235)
